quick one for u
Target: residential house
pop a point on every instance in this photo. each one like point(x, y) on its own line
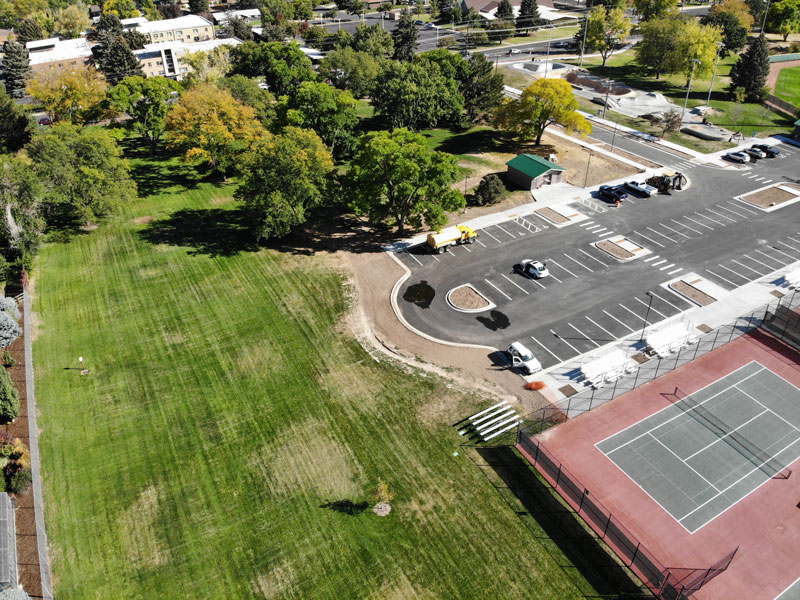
point(55, 54)
point(166, 58)
point(189, 28)
point(249, 14)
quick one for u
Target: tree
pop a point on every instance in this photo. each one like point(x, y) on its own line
point(504, 10)
point(784, 17)
point(489, 190)
point(21, 195)
point(481, 88)
point(72, 21)
point(76, 96)
point(29, 29)
point(404, 37)
point(15, 127)
point(347, 69)
point(210, 126)
point(303, 10)
point(394, 174)
point(750, 70)
point(150, 10)
point(737, 8)
point(655, 9)
point(498, 30)
point(16, 68)
point(236, 27)
point(283, 66)
point(528, 14)
point(208, 67)
point(198, 6)
point(135, 39)
point(699, 42)
point(605, 30)
point(117, 61)
point(145, 100)
point(24, 8)
point(541, 104)
point(416, 95)
point(172, 11)
point(757, 8)
point(341, 39)
point(276, 12)
point(670, 121)
point(659, 38)
point(373, 40)
point(10, 306)
point(9, 398)
point(9, 331)
point(124, 9)
point(284, 178)
point(108, 25)
point(83, 170)
point(248, 92)
point(326, 110)
point(734, 35)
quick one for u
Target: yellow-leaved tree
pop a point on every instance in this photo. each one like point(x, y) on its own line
point(542, 103)
point(77, 96)
point(210, 126)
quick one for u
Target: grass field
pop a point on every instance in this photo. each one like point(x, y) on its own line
point(226, 440)
point(788, 86)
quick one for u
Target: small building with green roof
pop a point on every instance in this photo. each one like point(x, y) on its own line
point(532, 172)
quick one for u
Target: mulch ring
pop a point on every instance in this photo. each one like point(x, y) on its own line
point(614, 249)
point(467, 298)
point(692, 293)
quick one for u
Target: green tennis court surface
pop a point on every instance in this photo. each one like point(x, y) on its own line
point(705, 452)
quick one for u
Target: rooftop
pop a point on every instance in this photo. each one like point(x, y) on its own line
point(532, 165)
point(180, 48)
point(171, 24)
point(8, 543)
point(45, 51)
point(133, 21)
point(250, 13)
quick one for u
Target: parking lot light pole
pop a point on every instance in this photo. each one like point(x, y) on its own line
point(583, 44)
point(646, 316)
point(716, 62)
point(695, 62)
point(764, 21)
point(588, 162)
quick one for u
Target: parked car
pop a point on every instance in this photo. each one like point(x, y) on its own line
point(513, 51)
point(770, 151)
point(45, 121)
point(533, 268)
point(611, 193)
point(755, 152)
point(523, 358)
point(419, 22)
point(738, 157)
point(640, 189)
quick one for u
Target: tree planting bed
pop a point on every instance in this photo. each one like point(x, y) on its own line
point(692, 293)
point(467, 298)
point(772, 196)
point(615, 250)
point(552, 215)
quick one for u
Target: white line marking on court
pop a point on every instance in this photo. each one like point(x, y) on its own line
point(546, 348)
point(787, 589)
point(560, 267)
point(566, 342)
point(687, 227)
point(583, 334)
point(630, 311)
point(579, 263)
point(720, 215)
point(667, 301)
point(719, 439)
point(734, 272)
point(783, 264)
point(746, 267)
point(491, 236)
point(767, 409)
point(662, 235)
point(698, 223)
point(674, 230)
point(648, 239)
point(515, 285)
point(593, 258)
point(508, 232)
point(709, 218)
point(613, 337)
point(618, 321)
point(661, 262)
point(721, 207)
point(740, 205)
point(675, 271)
point(414, 257)
point(650, 307)
point(665, 267)
point(736, 285)
point(651, 258)
point(497, 288)
point(668, 449)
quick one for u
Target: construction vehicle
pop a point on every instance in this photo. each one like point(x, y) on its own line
point(668, 181)
point(461, 234)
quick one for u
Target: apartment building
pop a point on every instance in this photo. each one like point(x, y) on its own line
point(166, 58)
point(189, 28)
point(55, 54)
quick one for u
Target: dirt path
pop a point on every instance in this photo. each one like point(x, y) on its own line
point(776, 68)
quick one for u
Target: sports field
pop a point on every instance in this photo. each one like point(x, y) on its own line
point(227, 437)
point(788, 86)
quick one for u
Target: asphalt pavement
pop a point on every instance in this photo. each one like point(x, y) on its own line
point(592, 299)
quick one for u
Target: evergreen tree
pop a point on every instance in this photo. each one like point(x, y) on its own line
point(109, 23)
point(504, 11)
point(118, 62)
point(528, 14)
point(135, 39)
point(15, 128)
point(16, 67)
point(9, 398)
point(481, 87)
point(751, 70)
point(734, 36)
point(198, 6)
point(404, 37)
point(29, 29)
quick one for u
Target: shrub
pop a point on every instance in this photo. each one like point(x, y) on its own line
point(8, 360)
point(489, 191)
point(10, 306)
point(17, 480)
point(9, 329)
point(9, 398)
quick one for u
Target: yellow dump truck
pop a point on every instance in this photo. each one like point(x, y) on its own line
point(461, 234)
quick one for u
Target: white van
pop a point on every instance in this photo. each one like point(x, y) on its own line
point(523, 358)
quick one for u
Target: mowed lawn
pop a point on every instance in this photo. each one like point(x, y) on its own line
point(788, 85)
point(227, 406)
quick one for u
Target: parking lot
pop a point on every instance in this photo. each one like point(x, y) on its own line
point(590, 298)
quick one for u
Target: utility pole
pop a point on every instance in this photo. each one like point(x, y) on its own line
point(646, 315)
point(764, 21)
point(585, 29)
point(588, 162)
point(549, 37)
point(716, 62)
point(695, 62)
point(605, 104)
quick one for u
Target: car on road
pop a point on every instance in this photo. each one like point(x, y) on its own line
point(430, 26)
point(523, 358)
point(770, 151)
point(533, 268)
point(561, 44)
point(513, 51)
point(755, 152)
point(45, 121)
point(738, 157)
point(419, 22)
point(611, 193)
point(640, 189)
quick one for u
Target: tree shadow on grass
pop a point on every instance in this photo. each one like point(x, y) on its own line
point(476, 141)
point(346, 507)
point(158, 175)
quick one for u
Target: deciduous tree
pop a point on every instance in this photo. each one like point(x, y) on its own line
point(395, 175)
point(659, 38)
point(404, 37)
point(655, 9)
point(248, 92)
point(21, 195)
point(15, 127)
point(606, 29)
point(541, 104)
point(145, 100)
point(124, 9)
point(784, 17)
point(9, 398)
point(284, 178)
point(150, 10)
point(750, 71)
point(76, 96)
point(16, 68)
point(734, 35)
point(348, 69)
point(283, 66)
point(210, 126)
point(72, 21)
point(25, 8)
point(373, 40)
point(699, 42)
point(737, 8)
point(669, 121)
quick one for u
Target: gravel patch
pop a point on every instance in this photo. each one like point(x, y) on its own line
point(769, 197)
point(466, 298)
point(614, 249)
point(692, 293)
point(552, 215)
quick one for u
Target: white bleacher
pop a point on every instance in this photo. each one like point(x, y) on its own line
point(670, 339)
point(492, 422)
point(792, 279)
point(607, 368)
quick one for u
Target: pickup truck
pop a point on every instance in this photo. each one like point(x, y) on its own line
point(640, 189)
point(461, 234)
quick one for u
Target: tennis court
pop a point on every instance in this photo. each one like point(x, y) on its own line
point(706, 451)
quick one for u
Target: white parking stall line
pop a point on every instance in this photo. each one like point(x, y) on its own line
point(650, 307)
point(661, 262)
point(579, 263)
point(601, 232)
point(784, 253)
point(593, 227)
point(534, 280)
point(566, 342)
point(618, 321)
point(414, 257)
point(767, 181)
point(556, 278)
point(698, 223)
point(630, 311)
point(662, 235)
point(788, 246)
point(560, 267)
point(491, 236)
point(763, 263)
point(480, 242)
point(746, 267)
point(515, 285)
point(649, 239)
point(759, 179)
point(687, 227)
point(751, 176)
point(794, 240)
point(667, 301)
point(739, 205)
point(651, 258)
point(675, 271)
point(675, 231)
point(546, 348)
point(720, 215)
point(613, 337)
point(709, 218)
point(592, 257)
point(508, 232)
point(498, 289)
point(585, 223)
point(665, 267)
point(734, 272)
point(583, 334)
point(723, 278)
point(719, 206)
point(467, 249)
